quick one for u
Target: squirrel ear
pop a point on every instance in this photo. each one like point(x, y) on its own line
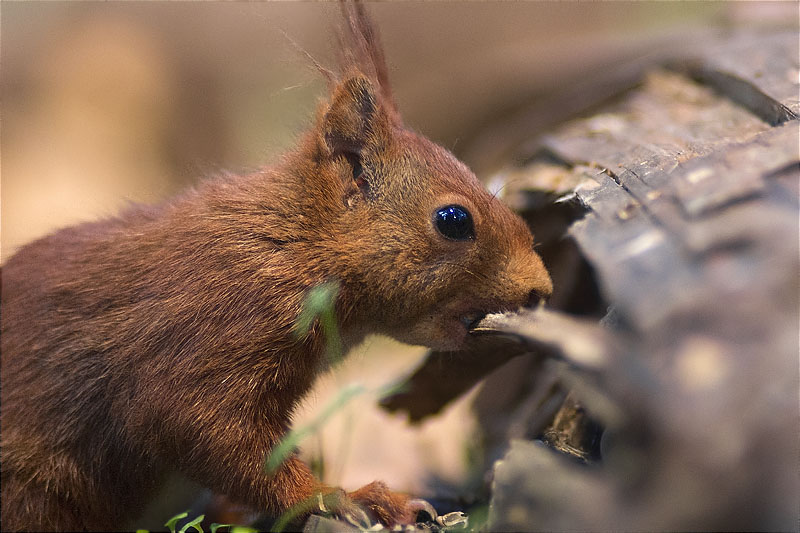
point(348, 121)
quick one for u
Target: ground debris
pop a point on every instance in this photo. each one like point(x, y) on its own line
point(454, 521)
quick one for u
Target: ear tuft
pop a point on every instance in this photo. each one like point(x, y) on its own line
point(348, 121)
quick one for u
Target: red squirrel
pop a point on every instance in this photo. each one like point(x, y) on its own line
point(164, 338)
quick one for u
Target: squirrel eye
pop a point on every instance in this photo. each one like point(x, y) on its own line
point(454, 222)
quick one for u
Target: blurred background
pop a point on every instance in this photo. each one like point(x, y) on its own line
point(103, 104)
point(109, 103)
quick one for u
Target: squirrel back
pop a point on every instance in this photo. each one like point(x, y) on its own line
point(164, 338)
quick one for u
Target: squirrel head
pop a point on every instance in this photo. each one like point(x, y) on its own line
point(420, 248)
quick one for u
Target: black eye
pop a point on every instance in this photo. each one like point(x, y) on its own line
point(454, 222)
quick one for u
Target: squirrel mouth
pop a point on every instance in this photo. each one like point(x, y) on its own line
point(471, 320)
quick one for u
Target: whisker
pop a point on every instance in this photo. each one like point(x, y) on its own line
point(479, 276)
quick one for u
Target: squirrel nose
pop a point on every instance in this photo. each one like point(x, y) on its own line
point(534, 298)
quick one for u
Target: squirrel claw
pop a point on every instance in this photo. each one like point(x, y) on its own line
point(341, 505)
point(422, 505)
point(361, 520)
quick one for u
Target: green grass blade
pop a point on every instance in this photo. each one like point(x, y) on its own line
point(174, 520)
point(287, 445)
point(193, 523)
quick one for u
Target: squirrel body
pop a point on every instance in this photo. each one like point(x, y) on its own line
point(164, 338)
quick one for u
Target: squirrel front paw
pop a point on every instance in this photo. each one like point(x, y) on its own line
point(389, 507)
point(373, 503)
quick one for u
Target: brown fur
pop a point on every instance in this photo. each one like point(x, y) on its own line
point(162, 339)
